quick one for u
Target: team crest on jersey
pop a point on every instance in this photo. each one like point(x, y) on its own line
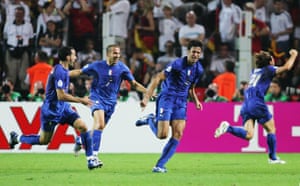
point(60, 83)
point(110, 72)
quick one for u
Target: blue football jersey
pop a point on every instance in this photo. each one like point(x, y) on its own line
point(107, 79)
point(180, 76)
point(259, 82)
point(58, 79)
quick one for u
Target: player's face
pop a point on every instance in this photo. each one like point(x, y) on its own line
point(193, 55)
point(114, 55)
point(73, 57)
point(272, 62)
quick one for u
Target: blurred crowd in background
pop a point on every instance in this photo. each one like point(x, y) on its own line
point(151, 33)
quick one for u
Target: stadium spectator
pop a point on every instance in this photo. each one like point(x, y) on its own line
point(8, 93)
point(142, 66)
point(82, 22)
point(261, 12)
point(229, 17)
point(275, 93)
point(259, 29)
point(38, 94)
point(158, 12)
point(178, 81)
point(226, 82)
point(212, 95)
point(254, 107)
point(190, 31)
point(11, 5)
point(51, 41)
point(240, 92)
point(217, 63)
point(38, 72)
point(119, 10)
point(168, 27)
point(142, 27)
point(107, 77)
point(50, 12)
point(167, 58)
point(88, 54)
point(56, 110)
point(18, 36)
point(281, 28)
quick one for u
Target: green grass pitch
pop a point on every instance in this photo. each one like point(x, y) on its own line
point(201, 169)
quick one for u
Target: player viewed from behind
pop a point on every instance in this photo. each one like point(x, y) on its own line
point(56, 110)
point(254, 107)
point(178, 81)
point(107, 77)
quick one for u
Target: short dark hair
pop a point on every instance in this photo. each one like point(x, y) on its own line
point(262, 59)
point(194, 43)
point(42, 55)
point(109, 47)
point(64, 52)
point(229, 65)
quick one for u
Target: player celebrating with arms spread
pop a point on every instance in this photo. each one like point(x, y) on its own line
point(178, 81)
point(107, 77)
point(254, 107)
point(56, 110)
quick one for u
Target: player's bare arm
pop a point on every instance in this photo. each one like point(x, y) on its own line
point(139, 87)
point(75, 73)
point(61, 95)
point(289, 63)
point(152, 86)
point(195, 99)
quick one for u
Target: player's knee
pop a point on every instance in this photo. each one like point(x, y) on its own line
point(249, 136)
point(162, 136)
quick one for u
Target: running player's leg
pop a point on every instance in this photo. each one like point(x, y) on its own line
point(98, 127)
point(171, 146)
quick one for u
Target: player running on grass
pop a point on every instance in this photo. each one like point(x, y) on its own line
point(178, 81)
point(254, 107)
point(107, 77)
point(56, 110)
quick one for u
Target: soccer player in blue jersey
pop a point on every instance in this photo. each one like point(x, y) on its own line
point(177, 81)
point(55, 110)
point(107, 77)
point(254, 107)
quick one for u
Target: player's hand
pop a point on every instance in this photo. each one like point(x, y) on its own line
point(86, 101)
point(293, 52)
point(199, 106)
point(144, 102)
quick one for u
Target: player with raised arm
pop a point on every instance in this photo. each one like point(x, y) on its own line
point(56, 110)
point(254, 107)
point(178, 81)
point(107, 77)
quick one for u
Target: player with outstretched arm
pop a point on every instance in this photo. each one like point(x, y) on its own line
point(254, 107)
point(178, 81)
point(56, 110)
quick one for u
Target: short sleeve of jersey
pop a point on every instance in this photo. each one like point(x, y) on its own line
point(127, 75)
point(89, 69)
point(60, 78)
point(271, 71)
point(172, 66)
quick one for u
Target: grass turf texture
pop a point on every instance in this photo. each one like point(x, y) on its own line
point(203, 169)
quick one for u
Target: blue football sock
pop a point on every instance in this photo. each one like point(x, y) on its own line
point(30, 139)
point(96, 140)
point(153, 125)
point(271, 140)
point(237, 131)
point(168, 152)
point(87, 143)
